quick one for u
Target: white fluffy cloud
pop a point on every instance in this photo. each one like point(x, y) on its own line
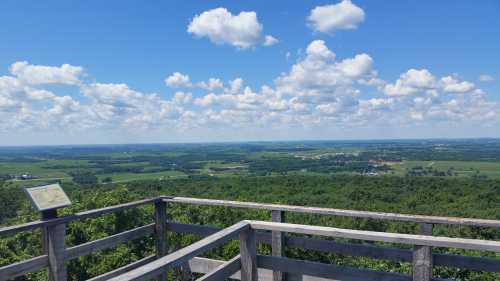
point(411, 82)
point(319, 91)
point(40, 74)
point(328, 18)
point(270, 40)
point(178, 79)
point(451, 84)
point(211, 84)
point(221, 27)
point(320, 72)
point(422, 81)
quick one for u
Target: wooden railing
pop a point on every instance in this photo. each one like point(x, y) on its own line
point(244, 267)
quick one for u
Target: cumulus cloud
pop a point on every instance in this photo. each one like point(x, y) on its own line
point(221, 27)
point(270, 40)
point(178, 79)
point(320, 90)
point(328, 18)
point(320, 72)
point(411, 82)
point(40, 74)
point(182, 98)
point(416, 81)
point(451, 84)
point(211, 84)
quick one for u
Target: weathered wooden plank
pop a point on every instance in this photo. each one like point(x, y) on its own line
point(9, 230)
point(123, 269)
point(47, 215)
point(111, 209)
point(183, 255)
point(472, 263)
point(109, 242)
point(422, 257)
point(13, 229)
point(204, 265)
point(422, 240)
point(327, 270)
point(338, 212)
point(277, 241)
point(205, 230)
point(352, 249)
point(56, 252)
point(13, 270)
point(321, 245)
point(160, 231)
point(223, 271)
point(236, 204)
point(248, 255)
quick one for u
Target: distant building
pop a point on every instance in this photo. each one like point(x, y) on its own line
point(26, 176)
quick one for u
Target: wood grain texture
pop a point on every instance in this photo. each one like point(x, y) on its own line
point(421, 240)
point(183, 255)
point(422, 257)
point(78, 216)
point(13, 270)
point(123, 269)
point(248, 255)
point(302, 268)
point(57, 252)
point(352, 249)
point(47, 215)
point(329, 271)
point(338, 212)
point(161, 233)
point(204, 265)
point(277, 242)
point(223, 271)
point(108, 242)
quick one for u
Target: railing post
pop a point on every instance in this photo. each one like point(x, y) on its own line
point(248, 254)
point(47, 215)
point(161, 232)
point(277, 242)
point(56, 251)
point(422, 257)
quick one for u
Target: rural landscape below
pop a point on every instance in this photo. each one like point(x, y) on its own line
point(319, 140)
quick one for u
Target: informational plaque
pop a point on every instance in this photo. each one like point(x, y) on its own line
point(48, 197)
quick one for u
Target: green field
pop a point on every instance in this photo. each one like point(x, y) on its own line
point(124, 177)
point(460, 168)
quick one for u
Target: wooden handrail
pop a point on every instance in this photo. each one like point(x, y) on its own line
point(352, 249)
point(183, 255)
point(248, 258)
point(8, 230)
point(337, 212)
point(58, 253)
point(400, 238)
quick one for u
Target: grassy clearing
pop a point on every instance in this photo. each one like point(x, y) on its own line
point(460, 168)
point(118, 177)
point(37, 169)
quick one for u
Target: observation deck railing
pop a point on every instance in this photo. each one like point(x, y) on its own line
point(249, 265)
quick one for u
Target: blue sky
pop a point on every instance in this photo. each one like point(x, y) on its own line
point(138, 45)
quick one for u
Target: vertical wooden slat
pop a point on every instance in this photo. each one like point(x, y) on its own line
point(277, 242)
point(248, 253)
point(422, 257)
point(56, 251)
point(161, 235)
